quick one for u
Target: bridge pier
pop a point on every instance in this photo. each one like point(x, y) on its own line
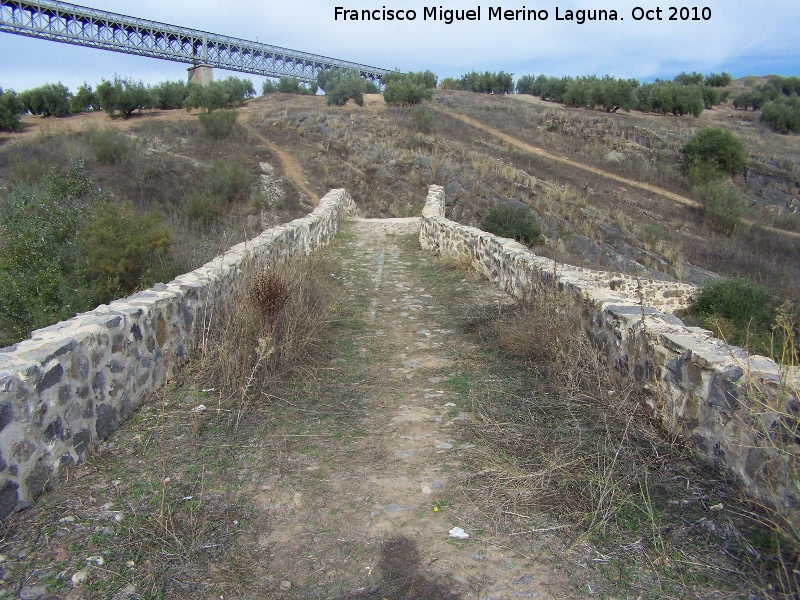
point(202, 74)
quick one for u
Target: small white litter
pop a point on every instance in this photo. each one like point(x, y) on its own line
point(199, 408)
point(458, 533)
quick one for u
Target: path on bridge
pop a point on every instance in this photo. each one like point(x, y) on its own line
point(377, 502)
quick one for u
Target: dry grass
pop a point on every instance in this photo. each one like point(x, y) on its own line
point(576, 456)
point(275, 318)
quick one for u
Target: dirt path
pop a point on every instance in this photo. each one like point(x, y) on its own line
point(594, 170)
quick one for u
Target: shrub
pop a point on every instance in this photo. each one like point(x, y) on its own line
point(123, 96)
point(516, 223)
point(422, 118)
point(340, 86)
point(11, 109)
point(124, 250)
point(486, 83)
point(689, 78)
point(722, 205)
point(426, 79)
point(348, 88)
point(715, 149)
point(225, 183)
point(291, 85)
point(52, 99)
point(110, 146)
point(219, 124)
point(41, 266)
point(275, 320)
point(746, 307)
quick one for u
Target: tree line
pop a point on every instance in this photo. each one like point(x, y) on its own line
point(121, 97)
point(686, 94)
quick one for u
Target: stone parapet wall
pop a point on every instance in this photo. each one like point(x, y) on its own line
point(725, 402)
point(71, 384)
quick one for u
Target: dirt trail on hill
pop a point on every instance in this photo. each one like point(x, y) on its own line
point(291, 168)
point(594, 170)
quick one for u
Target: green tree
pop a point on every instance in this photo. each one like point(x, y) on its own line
point(404, 92)
point(341, 85)
point(291, 85)
point(689, 78)
point(169, 95)
point(782, 115)
point(84, 100)
point(51, 99)
point(11, 109)
point(123, 96)
point(268, 87)
point(718, 79)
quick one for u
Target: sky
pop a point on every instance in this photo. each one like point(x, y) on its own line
point(741, 37)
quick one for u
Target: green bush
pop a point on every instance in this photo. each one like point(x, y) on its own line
point(516, 223)
point(346, 89)
point(65, 249)
point(717, 149)
point(291, 85)
point(269, 87)
point(219, 124)
point(110, 146)
point(11, 109)
point(722, 205)
point(718, 80)
point(485, 83)
point(124, 250)
point(689, 78)
point(341, 85)
point(426, 79)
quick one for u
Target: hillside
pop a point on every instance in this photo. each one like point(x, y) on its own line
point(330, 454)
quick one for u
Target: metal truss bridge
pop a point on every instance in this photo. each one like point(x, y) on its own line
point(82, 26)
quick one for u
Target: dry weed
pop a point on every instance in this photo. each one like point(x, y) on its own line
point(277, 316)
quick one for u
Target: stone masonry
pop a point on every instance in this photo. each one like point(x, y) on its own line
point(737, 410)
point(70, 385)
